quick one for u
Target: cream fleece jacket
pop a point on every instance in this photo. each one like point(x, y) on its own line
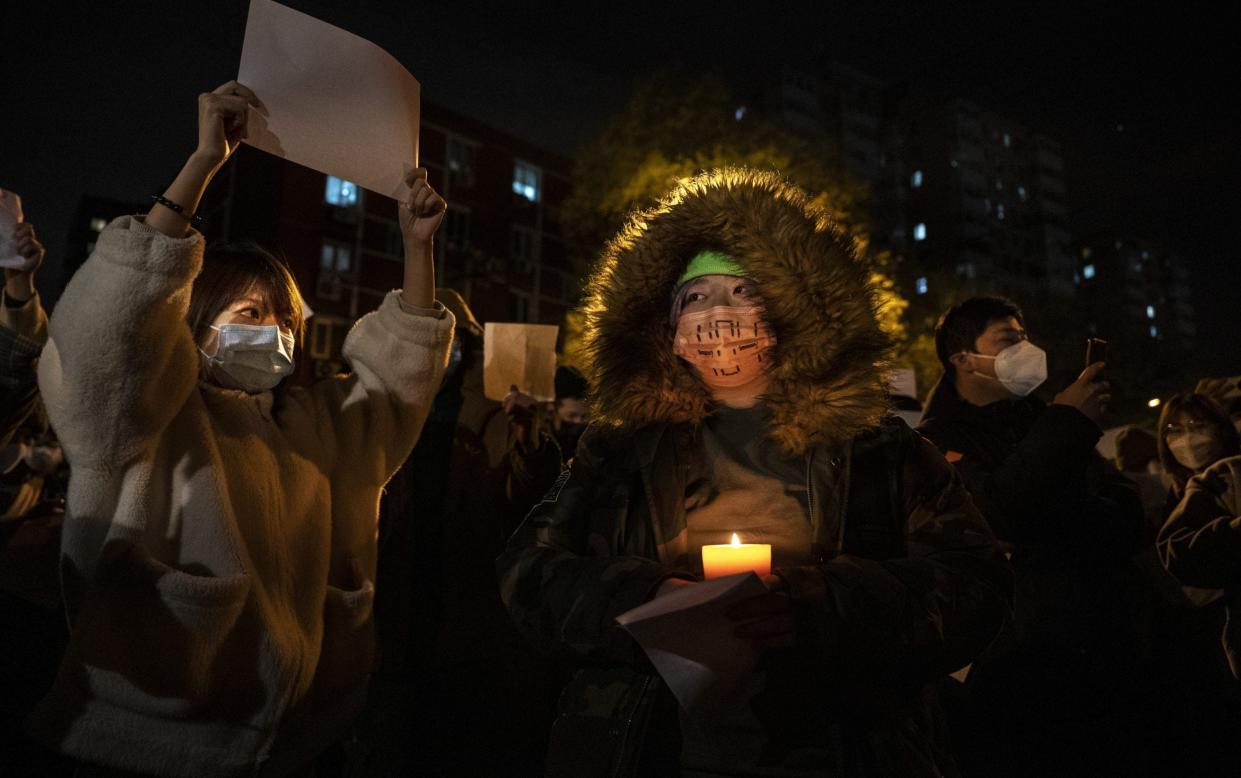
point(218, 554)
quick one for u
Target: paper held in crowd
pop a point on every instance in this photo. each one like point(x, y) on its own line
point(333, 101)
point(521, 355)
point(10, 217)
point(690, 640)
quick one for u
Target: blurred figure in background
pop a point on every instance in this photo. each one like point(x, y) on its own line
point(451, 658)
point(571, 410)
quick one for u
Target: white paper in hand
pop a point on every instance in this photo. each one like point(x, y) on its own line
point(334, 102)
point(10, 217)
point(521, 355)
point(690, 641)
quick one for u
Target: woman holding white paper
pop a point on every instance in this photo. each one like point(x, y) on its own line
point(219, 549)
point(755, 406)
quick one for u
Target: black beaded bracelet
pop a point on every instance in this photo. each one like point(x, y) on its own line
point(192, 218)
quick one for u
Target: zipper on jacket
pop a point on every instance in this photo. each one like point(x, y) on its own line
point(810, 485)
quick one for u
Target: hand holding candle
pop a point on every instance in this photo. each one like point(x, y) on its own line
point(736, 557)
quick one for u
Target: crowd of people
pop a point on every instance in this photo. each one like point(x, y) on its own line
point(209, 571)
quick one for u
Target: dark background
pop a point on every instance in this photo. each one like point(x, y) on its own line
point(100, 98)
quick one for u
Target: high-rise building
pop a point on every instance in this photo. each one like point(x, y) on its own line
point(1137, 293)
point(986, 202)
point(954, 188)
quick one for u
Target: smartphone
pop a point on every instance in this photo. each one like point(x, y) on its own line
point(1096, 351)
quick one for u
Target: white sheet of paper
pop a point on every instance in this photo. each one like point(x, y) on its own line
point(521, 355)
point(10, 217)
point(690, 641)
point(334, 102)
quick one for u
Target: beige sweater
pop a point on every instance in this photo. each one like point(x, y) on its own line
point(218, 558)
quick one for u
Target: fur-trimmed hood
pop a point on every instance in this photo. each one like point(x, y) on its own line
point(827, 384)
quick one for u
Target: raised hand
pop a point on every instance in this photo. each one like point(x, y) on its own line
point(1086, 394)
point(422, 211)
point(222, 117)
point(19, 281)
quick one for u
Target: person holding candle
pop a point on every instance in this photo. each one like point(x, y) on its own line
point(737, 363)
point(218, 553)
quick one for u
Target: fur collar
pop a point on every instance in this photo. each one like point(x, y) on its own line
point(827, 384)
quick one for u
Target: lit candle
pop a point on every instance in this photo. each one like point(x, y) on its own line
point(736, 557)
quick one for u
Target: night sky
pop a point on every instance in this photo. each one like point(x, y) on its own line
point(102, 101)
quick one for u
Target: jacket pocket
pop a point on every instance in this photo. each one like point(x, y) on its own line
point(348, 649)
point(153, 639)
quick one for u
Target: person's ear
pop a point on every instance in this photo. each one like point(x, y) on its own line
point(961, 362)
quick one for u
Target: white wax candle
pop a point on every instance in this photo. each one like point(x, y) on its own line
point(736, 557)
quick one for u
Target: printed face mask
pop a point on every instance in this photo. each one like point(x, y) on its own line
point(1195, 450)
point(252, 357)
point(728, 346)
point(1021, 368)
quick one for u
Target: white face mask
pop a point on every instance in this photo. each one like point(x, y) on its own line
point(252, 357)
point(1195, 450)
point(1021, 368)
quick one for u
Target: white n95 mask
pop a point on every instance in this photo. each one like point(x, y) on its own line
point(1021, 368)
point(252, 357)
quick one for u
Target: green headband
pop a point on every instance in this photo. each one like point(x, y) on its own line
point(710, 263)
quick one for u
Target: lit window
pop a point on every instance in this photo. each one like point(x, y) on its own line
point(1088, 272)
point(1154, 331)
point(1086, 253)
point(920, 231)
point(1021, 192)
point(1077, 278)
point(527, 181)
point(340, 192)
point(1007, 140)
point(98, 223)
point(954, 163)
point(739, 114)
point(999, 211)
point(916, 179)
point(999, 185)
point(921, 285)
point(1146, 255)
point(1150, 311)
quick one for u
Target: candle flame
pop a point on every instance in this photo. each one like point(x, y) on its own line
point(736, 540)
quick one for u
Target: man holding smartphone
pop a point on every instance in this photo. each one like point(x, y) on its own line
point(1058, 692)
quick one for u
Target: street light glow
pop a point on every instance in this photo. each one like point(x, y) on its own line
point(1154, 403)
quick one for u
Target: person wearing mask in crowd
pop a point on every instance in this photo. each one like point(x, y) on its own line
point(1199, 547)
point(737, 368)
point(1059, 692)
point(571, 410)
point(448, 647)
point(1194, 433)
point(23, 331)
point(219, 550)
point(32, 629)
point(1200, 704)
